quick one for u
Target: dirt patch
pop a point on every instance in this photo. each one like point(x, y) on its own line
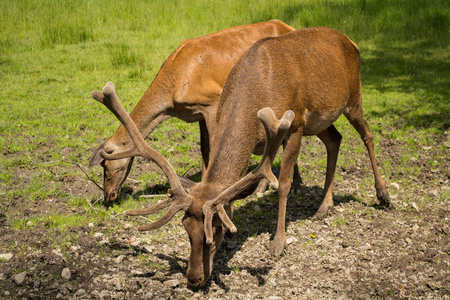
point(358, 251)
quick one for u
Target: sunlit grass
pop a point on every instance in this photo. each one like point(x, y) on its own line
point(54, 53)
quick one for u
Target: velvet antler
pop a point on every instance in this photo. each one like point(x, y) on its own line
point(275, 131)
point(179, 199)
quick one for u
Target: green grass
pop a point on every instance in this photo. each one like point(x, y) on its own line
point(54, 53)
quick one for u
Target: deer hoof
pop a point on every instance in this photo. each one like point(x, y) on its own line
point(276, 247)
point(383, 197)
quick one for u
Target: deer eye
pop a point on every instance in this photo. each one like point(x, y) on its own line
point(218, 230)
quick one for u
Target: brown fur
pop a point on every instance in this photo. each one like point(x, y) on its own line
point(315, 73)
point(188, 86)
point(311, 77)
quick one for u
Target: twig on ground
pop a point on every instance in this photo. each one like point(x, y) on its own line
point(154, 196)
point(188, 170)
point(116, 215)
point(82, 170)
point(91, 205)
point(146, 219)
point(134, 180)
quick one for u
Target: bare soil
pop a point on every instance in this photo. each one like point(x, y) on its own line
point(358, 251)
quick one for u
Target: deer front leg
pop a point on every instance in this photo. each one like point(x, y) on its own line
point(332, 140)
point(288, 162)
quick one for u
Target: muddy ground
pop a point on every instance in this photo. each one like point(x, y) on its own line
point(358, 252)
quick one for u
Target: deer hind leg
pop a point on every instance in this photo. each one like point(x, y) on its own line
point(332, 140)
point(356, 118)
point(288, 162)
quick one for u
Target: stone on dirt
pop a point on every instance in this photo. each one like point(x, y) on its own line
point(66, 273)
point(119, 259)
point(20, 278)
point(6, 256)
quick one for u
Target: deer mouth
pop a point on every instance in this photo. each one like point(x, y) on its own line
point(111, 195)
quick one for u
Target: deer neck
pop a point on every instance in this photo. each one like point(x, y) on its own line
point(237, 137)
point(150, 111)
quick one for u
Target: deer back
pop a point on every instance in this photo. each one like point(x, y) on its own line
point(313, 72)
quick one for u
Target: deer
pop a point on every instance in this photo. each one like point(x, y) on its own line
point(188, 86)
point(307, 78)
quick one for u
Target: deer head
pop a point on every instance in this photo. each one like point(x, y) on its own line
point(207, 207)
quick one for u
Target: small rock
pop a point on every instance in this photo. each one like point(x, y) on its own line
point(103, 242)
point(119, 259)
point(80, 292)
point(259, 195)
point(172, 283)
point(434, 193)
point(2, 276)
point(20, 278)
point(98, 235)
point(395, 185)
point(137, 272)
point(91, 224)
point(274, 298)
point(65, 273)
point(345, 244)
point(117, 284)
point(57, 253)
point(6, 256)
point(290, 240)
point(127, 226)
point(74, 248)
point(415, 227)
point(147, 249)
point(135, 243)
point(433, 286)
point(256, 208)
point(415, 206)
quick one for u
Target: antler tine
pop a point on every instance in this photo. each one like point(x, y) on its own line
point(275, 131)
point(140, 148)
point(179, 199)
point(173, 209)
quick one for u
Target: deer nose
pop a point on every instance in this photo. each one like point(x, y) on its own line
point(110, 195)
point(195, 281)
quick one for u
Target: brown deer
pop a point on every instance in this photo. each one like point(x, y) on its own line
point(188, 86)
point(312, 74)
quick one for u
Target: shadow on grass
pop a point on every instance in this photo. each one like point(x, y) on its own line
point(407, 52)
point(411, 71)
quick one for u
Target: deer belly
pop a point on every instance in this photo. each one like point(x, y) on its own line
point(317, 122)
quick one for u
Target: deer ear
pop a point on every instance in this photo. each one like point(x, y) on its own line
point(95, 158)
point(187, 184)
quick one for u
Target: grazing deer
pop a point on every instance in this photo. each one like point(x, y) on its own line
point(310, 77)
point(188, 86)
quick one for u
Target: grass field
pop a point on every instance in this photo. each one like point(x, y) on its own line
point(54, 53)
